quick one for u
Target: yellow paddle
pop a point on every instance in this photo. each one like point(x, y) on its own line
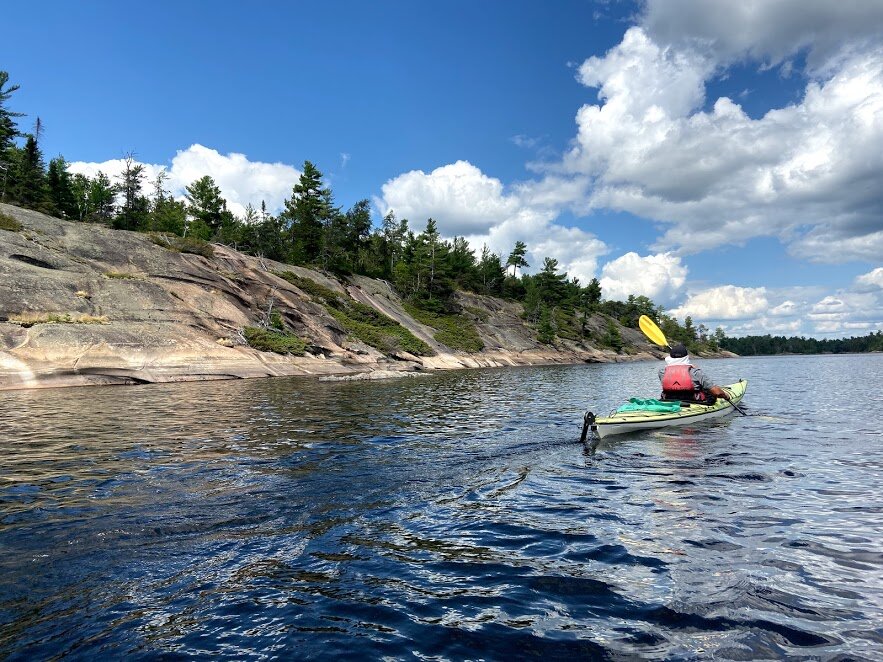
point(653, 332)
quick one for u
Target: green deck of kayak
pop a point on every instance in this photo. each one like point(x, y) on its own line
point(736, 391)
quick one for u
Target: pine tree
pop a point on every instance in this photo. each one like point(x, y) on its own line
point(550, 283)
point(432, 255)
point(545, 330)
point(491, 272)
point(133, 213)
point(306, 214)
point(8, 129)
point(101, 198)
point(206, 208)
point(166, 213)
point(8, 133)
point(516, 257)
point(393, 233)
point(61, 192)
point(30, 186)
point(461, 263)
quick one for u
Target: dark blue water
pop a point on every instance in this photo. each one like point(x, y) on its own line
point(453, 516)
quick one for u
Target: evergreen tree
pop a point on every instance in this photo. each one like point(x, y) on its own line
point(461, 263)
point(135, 207)
point(433, 255)
point(590, 297)
point(393, 234)
point(516, 257)
point(101, 198)
point(166, 213)
point(206, 209)
point(532, 301)
point(30, 187)
point(306, 214)
point(61, 192)
point(347, 235)
point(545, 330)
point(8, 128)
point(8, 133)
point(491, 272)
point(262, 234)
point(612, 338)
point(550, 283)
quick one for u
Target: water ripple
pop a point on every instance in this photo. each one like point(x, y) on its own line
point(453, 517)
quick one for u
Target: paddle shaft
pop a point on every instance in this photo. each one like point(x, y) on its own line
point(735, 404)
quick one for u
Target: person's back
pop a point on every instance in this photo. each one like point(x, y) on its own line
point(681, 380)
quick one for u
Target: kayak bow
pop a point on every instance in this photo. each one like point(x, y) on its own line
point(634, 421)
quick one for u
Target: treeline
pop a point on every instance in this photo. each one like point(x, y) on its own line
point(311, 230)
point(769, 345)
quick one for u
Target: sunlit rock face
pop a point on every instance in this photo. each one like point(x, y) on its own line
point(83, 304)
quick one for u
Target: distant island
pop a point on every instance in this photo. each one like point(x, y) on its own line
point(769, 345)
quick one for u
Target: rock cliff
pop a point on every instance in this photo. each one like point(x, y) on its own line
point(83, 304)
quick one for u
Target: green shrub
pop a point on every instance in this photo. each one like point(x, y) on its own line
point(311, 287)
point(121, 275)
point(566, 325)
point(182, 244)
point(361, 321)
point(9, 223)
point(271, 340)
point(611, 337)
point(545, 330)
point(276, 321)
point(455, 331)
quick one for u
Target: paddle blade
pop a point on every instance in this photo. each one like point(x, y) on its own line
point(653, 332)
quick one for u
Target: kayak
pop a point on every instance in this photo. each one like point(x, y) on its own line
point(688, 413)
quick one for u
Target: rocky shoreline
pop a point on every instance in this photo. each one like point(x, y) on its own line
point(82, 304)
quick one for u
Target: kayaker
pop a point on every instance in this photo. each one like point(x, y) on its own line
point(681, 380)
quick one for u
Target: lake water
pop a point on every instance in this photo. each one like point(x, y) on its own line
point(451, 516)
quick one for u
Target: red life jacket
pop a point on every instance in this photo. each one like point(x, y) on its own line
point(677, 384)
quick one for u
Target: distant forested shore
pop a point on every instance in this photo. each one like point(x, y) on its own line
point(770, 345)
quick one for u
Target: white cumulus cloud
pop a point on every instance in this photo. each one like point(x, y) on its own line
point(769, 32)
point(801, 173)
point(806, 173)
point(658, 277)
point(466, 202)
point(461, 198)
point(726, 302)
point(871, 281)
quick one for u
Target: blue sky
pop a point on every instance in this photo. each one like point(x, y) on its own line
point(593, 131)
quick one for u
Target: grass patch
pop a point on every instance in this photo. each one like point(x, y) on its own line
point(483, 315)
point(182, 244)
point(121, 275)
point(361, 321)
point(29, 320)
point(455, 331)
point(272, 340)
point(9, 223)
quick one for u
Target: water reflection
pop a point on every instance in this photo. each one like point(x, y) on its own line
point(451, 516)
